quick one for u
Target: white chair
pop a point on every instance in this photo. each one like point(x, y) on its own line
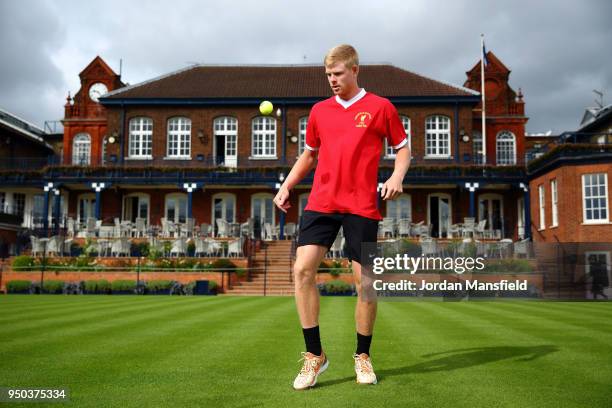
point(222, 228)
point(157, 245)
point(205, 229)
point(179, 247)
point(335, 251)
point(213, 247)
point(235, 248)
point(479, 231)
point(267, 231)
point(521, 249)
point(404, 227)
point(38, 246)
point(140, 228)
point(188, 227)
point(67, 247)
point(246, 229)
point(455, 230)
point(70, 227)
point(429, 246)
point(201, 247)
point(54, 246)
point(121, 247)
point(91, 229)
point(388, 227)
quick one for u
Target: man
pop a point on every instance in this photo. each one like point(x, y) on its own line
point(346, 131)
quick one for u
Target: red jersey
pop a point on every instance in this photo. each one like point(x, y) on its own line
point(349, 137)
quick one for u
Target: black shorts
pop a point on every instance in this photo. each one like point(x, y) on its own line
point(321, 229)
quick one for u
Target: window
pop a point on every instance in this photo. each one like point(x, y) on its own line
point(506, 149)
point(176, 207)
point(136, 205)
point(226, 141)
point(179, 137)
point(141, 138)
point(264, 137)
point(389, 151)
point(223, 207)
point(103, 150)
point(262, 208)
point(553, 201)
point(87, 207)
point(595, 197)
point(437, 136)
point(302, 124)
point(3, 203)
point(477, 147)
point(400, 207)
point(81, 149)
point(542, 203)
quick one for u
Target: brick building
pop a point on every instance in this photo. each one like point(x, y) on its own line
point(192, 144)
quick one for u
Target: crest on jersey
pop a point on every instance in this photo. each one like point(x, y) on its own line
point(362, 119)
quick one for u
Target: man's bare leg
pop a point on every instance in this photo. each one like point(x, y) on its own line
point(365, 311)
point(308, 259)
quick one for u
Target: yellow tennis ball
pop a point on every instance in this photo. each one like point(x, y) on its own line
point(266, 107)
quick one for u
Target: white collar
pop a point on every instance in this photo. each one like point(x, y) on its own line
point(346, 104)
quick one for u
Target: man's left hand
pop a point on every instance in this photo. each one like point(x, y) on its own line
point(392, 188)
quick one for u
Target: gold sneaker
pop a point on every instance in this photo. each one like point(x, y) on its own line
point(312, 367)
point(364, 370)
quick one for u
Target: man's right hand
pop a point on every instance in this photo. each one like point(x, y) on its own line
point(282, 199)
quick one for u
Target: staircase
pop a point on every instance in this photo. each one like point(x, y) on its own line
point(277, 279)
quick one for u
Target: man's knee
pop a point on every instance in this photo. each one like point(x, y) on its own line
point(304, 275)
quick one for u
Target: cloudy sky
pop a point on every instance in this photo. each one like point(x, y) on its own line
point(558, 51)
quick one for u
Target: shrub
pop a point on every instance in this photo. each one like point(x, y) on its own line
point(23, 263)
point(141, 249)
point(212, 286)
point(53, 286)
point(188, 288)
point(337, 286)
point(18, 286)
point(508, 266)
point(96, 286)
point(123, 286)
point(160, 284)
point(223, 263)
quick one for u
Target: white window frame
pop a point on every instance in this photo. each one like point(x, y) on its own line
point(450, 211)
point(81, 149)
point(212, 207)
point(605, 220)
point(227, 126)
point(263, 196)
point(302, 125)
point(176, 197)
point(263, 138)
point(390, 152)
point(505, 148)
point(394, 209)
point(437, 135)
point(140, 145)
point(178, 139)
point(553, 203)
point(90, 199)
point(141, 196)
point(542, 206)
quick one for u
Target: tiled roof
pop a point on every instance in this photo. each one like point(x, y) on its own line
point(282, 81)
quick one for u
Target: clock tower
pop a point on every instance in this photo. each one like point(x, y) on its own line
point(84, 121)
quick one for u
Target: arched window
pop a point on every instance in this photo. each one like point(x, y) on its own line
point(264, 137)
point(303, 123)
point(179, 138)
point(437, 136)
point(506, 148)
point(141, 138)
point(262, 208)
point(389, 151)
point(81, 149)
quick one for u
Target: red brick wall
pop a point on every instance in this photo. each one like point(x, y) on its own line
point(570, 206)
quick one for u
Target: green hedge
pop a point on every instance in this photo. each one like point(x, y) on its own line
point(337, 286)
point(96, 286)
point(159, 284)
point(23, 263)
point(53, 286)
point(123, 285)
point(18, 286)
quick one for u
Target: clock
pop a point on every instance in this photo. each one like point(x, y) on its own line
point(97, 90)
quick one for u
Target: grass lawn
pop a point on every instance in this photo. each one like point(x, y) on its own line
point(156, 351)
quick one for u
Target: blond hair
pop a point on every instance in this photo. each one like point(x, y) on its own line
point(342, 53)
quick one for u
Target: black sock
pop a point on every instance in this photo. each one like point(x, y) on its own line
point(363, 344)
point(312, 340)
